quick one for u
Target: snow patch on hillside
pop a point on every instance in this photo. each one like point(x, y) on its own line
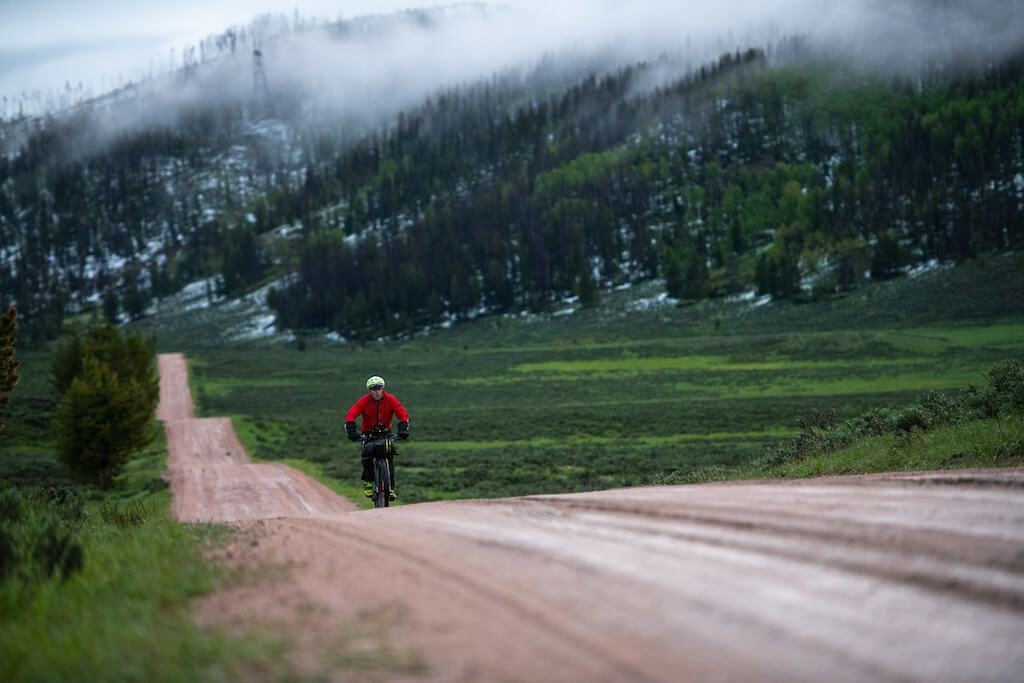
point(653, 303)
point(926, 267)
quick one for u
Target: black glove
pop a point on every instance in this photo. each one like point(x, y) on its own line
point(403, 430)
point(353, 435)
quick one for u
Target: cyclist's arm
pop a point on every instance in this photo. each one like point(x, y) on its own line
point(403, 419)
point(400, 410)
point(350, 418)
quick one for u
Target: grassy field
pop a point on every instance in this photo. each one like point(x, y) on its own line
point(615, 396)
point(618, 395)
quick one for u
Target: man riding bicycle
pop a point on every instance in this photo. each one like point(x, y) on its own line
point(376, 410)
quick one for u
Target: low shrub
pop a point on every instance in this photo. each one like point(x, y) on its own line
point(1007, 382)
point(821, 432)
point(39, 536)
point(132, 514)
point(699, 475)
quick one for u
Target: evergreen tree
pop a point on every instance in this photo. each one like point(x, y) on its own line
point(129, 355)
point(851, 261)
point(695, 285)
point(135, 300)
point(778, 274)
point(675, 274)
point(102, 419)
point(586, 287)
point(111, 306)
point(9, 374)
point(242, 263)
point(886, 257)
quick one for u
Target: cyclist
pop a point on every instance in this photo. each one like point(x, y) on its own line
point(376, 408)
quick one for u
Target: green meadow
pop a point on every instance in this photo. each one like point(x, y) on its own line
point(610, 396)
point(621, 394)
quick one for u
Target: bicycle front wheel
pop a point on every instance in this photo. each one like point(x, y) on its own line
point(381, 483)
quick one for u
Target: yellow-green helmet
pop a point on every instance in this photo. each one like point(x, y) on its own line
point(375, 381)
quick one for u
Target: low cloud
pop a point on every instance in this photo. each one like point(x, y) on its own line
point(381, 65)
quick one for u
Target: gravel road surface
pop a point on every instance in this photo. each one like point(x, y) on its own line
point(907, 576)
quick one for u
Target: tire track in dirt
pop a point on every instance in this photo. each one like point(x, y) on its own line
point(908, 576)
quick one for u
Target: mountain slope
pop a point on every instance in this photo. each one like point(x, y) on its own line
point(783, 169)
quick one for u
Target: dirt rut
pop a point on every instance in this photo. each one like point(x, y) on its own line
point(889, 577)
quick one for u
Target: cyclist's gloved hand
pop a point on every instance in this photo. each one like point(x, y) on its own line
point(353, 435)
point(403, 430)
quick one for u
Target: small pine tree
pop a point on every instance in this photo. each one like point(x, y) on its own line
point(887, 257)
point(9, 375)
point(129, 355)
point(586, 288)
point(675, 279)
point(101, 421)
point(686, 271)
point(778, 273)
point(695, 285)
point(111, 306)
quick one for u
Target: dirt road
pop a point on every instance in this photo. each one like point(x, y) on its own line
point(889, 577)
point(211, 477)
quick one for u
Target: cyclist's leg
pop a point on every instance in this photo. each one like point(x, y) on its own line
point(367, 473)
point(367, 466)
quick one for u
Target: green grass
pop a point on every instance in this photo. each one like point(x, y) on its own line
point(714, 364)
point(980, 443)
point(485, 427)
point(125, 615)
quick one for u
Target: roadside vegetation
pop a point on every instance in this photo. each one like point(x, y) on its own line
point(95, 582)
point(109, 388)
point(977, 426)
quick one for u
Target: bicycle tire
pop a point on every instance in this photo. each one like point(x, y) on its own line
point(381, 483)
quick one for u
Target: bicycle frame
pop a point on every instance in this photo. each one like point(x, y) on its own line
point(382, 483)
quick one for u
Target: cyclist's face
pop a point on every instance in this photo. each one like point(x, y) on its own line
point(377, 392)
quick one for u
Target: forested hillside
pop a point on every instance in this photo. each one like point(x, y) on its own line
point(776, 169)
point(786, 178)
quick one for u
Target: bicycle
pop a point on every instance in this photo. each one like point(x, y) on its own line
point(383, 445)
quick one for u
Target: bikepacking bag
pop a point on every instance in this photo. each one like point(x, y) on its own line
point(377, 448)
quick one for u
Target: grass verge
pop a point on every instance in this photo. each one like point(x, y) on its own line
point(981, 443)
point(121, 612)
point(974, 428)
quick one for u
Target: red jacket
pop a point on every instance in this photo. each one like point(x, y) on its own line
point(377, 412)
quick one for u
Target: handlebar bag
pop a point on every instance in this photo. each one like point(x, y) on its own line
point(376, 448)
